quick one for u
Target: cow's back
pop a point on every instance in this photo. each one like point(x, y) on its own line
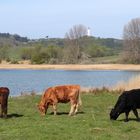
point(65, 92)
point(133, 97)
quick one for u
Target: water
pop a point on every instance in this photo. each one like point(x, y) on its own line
point(38, 80)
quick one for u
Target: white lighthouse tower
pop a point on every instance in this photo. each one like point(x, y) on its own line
point(88, 32)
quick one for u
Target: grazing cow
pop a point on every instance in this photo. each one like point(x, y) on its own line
point(60, 94)
point(127, 101)
point(4, 93)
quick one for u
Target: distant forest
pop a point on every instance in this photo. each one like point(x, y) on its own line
point(14, 48)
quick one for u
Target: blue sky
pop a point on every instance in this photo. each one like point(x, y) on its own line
point(53, 18)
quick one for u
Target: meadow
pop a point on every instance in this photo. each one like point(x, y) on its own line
point(91, 123)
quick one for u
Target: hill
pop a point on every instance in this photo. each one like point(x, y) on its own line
point(56, 51)
point(15, 40)
point(108, 42)
point(7, 39)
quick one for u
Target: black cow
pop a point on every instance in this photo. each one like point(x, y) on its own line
point(127, 101)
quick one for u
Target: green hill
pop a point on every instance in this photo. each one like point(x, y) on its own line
point(56, 50)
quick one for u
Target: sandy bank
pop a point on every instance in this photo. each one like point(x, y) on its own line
point(73, 67)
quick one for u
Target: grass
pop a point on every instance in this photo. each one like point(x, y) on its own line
point(91, 123)
point(107, 59)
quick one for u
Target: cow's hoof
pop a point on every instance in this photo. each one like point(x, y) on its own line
point(138, 120)
point(0, 116)
point(70, 114)
point(126, 120)
point(43, 115)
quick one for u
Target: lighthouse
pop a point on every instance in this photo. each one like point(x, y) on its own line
point(88, 32)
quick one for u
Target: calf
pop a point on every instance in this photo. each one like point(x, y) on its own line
point(4, 93)
point(127, 101)
point(60, 94)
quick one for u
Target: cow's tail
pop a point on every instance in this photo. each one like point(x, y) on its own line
point(79, 99)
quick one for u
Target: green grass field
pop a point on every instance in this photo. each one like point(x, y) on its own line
point(114, 59)
point(91, 123)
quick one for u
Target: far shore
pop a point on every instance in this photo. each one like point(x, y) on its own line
point(73, 67)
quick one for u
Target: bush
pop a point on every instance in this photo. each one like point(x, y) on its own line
point(14, 62)
point(53, 61)
point(8, 60)
point(37, 60)
point(26, 53)
point(98, 51)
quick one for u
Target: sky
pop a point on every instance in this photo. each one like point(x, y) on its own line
point(40, 18)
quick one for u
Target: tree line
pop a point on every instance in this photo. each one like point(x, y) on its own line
point(76, 47)
point(38, 53)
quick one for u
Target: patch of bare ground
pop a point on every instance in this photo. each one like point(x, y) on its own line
point(27, 65)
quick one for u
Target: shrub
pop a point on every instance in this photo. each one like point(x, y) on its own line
point(14, 62)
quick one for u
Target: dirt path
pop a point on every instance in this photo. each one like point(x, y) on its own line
point(73, 67)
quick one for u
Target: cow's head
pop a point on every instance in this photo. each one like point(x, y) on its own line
point(43, 108)
point(118, 109)
point(114, 114)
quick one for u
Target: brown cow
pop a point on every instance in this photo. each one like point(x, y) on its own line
point(60, 94)
point(4, 93)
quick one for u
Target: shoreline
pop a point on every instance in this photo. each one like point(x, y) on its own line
point(72, 67)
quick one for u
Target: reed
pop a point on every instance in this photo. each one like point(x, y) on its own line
point(133, 83)
point(101, 90)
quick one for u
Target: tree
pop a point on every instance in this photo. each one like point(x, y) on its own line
point(4, 52)
point(73, 43)
point(131, 36)
point(39, 55)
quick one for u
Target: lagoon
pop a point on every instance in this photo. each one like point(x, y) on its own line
point(38, 80)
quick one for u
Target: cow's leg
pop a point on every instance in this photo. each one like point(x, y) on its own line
point(73, 106)
point(54, 109)
point(4, 111)
point(76, 108)
point(71, 110)
point(136, 114)
point(126, 115)
point(1, 111)
point(4, 108)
